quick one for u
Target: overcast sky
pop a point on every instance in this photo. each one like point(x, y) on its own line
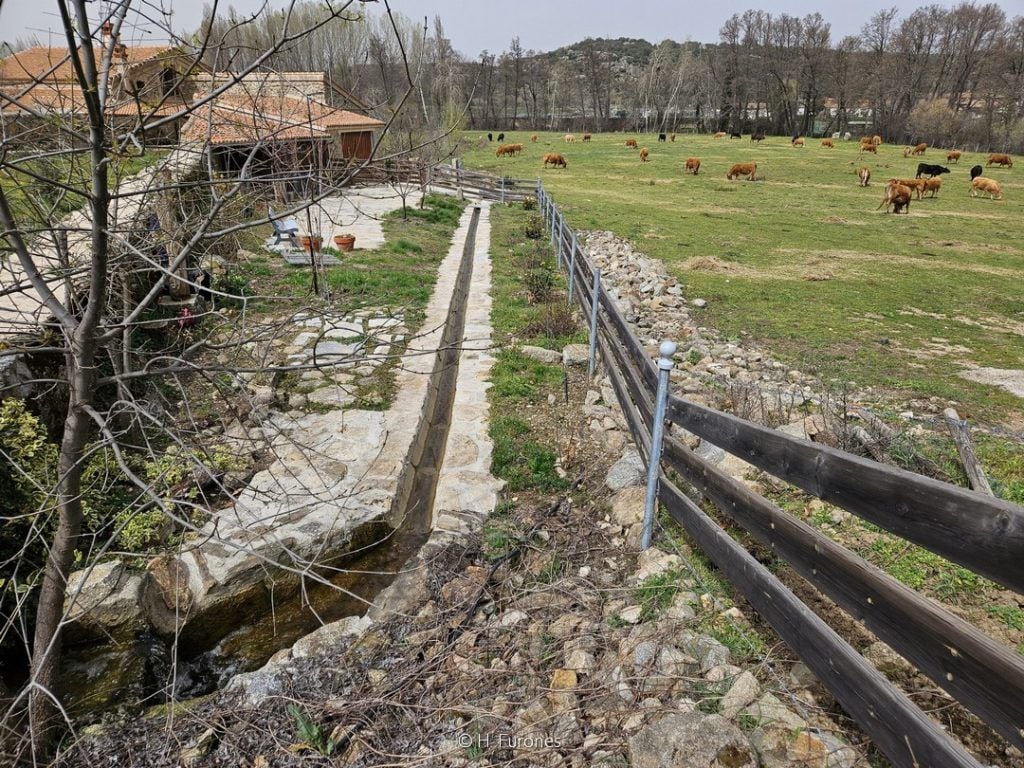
point(476, 25)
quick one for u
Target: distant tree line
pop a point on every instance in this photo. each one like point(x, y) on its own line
point(944, 75)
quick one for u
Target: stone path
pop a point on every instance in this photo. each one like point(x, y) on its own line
point(359, 212)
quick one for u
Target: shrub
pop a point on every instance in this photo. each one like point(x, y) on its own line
point(534, 227)
point(556, 320)
point(529, 204)
point(539, 282)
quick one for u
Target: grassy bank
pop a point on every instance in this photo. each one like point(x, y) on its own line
point(805, 263)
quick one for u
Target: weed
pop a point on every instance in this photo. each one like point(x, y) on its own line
point(1011, 615)
point(310, 733)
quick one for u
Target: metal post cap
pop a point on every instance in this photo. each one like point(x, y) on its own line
point(666, 350)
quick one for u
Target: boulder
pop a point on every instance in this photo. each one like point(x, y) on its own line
point(104, 603)
point(575, 354)
point(744, 690)
point(691, 739)
point(627, 471)
point(628, 506)
point(540, 354)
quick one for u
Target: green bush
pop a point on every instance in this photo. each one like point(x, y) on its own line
point(534, 227)
point(529, 204)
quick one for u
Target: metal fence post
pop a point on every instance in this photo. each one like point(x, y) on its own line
point(665, 363)
point(595, 299)
point(554, 223)
point(561, 238)
point(572, 264)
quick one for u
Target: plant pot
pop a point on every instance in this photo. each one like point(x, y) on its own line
point(345, 242)
point(306, 241)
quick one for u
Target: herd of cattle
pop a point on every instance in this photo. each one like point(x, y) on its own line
point(898, 191)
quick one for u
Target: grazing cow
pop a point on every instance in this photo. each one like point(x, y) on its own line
point(504, 149)
point(991, 186)
point(671, 137)
point(643, 155)
point(569, 138)
point(847, 136)
point(876, 139)
point(757, 137)
point(534, 138)
point(953, 156)
point(662, 137)
point(693, 165)
point(919, 149)
point(631, 143)
point(742, 169)
point(897, 197)
point(719, 135)
point(516, 148)
point(1000, 160)
point(735, 136)
point(501, 137)
point(586, 137)
point(916, 185)
point(864, 174)
point(868, 147)
point(933, 185)
point(555, 160)
point(828, 143)
point(924, 169)
point(798, 141)
point(976, 171)
point(490, 137)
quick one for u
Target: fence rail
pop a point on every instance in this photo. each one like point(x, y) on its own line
point(981, 533)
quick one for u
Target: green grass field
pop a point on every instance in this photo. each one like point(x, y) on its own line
point(805, 262)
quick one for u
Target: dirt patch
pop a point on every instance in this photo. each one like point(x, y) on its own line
point(909, 260)
point(1012, 380)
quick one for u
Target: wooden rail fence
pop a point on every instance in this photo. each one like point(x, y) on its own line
point(981, 533)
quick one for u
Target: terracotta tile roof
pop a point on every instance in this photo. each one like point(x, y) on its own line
point(241, 119)
point(33, 63)
point(66, 98)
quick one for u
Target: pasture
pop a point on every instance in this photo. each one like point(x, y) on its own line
point(805, 263)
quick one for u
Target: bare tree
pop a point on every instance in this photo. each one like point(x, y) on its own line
point(81, 288)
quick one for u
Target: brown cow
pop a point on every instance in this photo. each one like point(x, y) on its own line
point(643, 155)
point(798, 141)
point(693, 165)
point(720, 135)
point(1000, 160)
point(897, 196)
point(504, 149)
point(917, 185)
point(828, 143)
point(933, 185)
point(982, 184)
point(631, 143)
point(569, 138)
point(864, 174)
point(586, 137)
point(876, 140)
point(534, 138)
point(742, 169)
point(919, 149)
point(555, 159)
point(516, 148)
point(869, 147)
point(953, 156)
point(671, 137)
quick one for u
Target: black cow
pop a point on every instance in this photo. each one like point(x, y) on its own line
point(661, 137)
point(759, 136)
point(501, 137)
point(735, 136)
point(490, 137)
point(924, 169)
point(976, 171)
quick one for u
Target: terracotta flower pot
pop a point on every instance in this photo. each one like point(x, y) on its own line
point(306, 240)
point(345, 242)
